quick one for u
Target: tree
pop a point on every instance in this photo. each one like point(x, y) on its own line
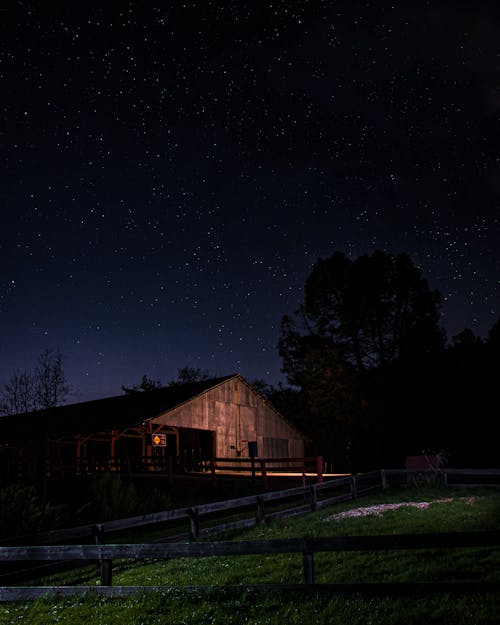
point(45, 388)
point(51, 388)
point(17, 394)
point(185, 375)
point(375, 310)
point(147, 384)
point(359, 319)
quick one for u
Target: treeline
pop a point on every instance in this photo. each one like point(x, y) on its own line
point(372, 376)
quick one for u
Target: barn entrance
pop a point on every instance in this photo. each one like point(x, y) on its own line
point(196, 448)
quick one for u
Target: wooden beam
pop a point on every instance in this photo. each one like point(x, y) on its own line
point(24, 593)
point(249, 547)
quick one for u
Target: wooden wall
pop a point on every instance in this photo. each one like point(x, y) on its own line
point(237, 415)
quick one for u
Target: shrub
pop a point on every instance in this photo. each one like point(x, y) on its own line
point(114, 498)
point(22, 512)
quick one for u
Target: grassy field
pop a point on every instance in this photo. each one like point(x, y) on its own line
point(447, 510)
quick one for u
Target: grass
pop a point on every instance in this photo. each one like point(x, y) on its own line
point(469, 510)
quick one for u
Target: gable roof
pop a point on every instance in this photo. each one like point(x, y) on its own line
point(255, 391)
point(105, 414)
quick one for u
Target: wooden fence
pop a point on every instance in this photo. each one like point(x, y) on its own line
point(197, 519)
point(215, 518)
point(105, 554)
point(168, 467)
point(257, 508)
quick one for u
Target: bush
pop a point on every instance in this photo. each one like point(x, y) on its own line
point(22, 512)
point(114, 499)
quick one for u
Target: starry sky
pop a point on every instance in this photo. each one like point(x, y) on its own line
point(171, 171)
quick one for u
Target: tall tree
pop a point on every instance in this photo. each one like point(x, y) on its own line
point(17, 395)
point(46, 387)
point(359, 318)
point(375, 309)
point(51, 387)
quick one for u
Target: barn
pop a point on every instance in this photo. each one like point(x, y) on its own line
point(183, 423)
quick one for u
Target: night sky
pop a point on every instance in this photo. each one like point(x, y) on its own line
point(171, 171)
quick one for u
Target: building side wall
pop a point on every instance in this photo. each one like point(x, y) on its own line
point(238, 416)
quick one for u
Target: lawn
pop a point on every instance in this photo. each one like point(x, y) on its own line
point(426, 510)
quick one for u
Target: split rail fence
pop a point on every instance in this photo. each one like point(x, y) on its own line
point(205, 519)
point(167, 466)
point(250, 511)
point(307, 547)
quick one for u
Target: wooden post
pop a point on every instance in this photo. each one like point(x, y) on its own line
point(445, 478)
point(105, 566)
point(252, 463)
point(314, 498)
point(213, 464)
point(170, 469)
point(114, 438)
point(264, 474)
point(319, 469)
point(260, 511)
point(383, 477)
point(195, 526)
point(308, 567)
point(354, 487)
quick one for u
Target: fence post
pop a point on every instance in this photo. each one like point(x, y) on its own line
point(213, 464)
point(170, 469)
point(194, 521)
point(314, 498)
point(105, 566)
point(319, 468)
point(354, 487)
point(260, 510)
point(308, 567)
point(383, 477)
point(264, 473)
point(443, 478)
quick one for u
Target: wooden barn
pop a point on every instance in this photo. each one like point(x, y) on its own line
point(184, 424)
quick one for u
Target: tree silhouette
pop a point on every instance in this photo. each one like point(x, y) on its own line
point(146, 384)
point(360, 320)
point(17, 394)
point(185, 375)
point(374, 310)
point(51, 388)
point(45, 388)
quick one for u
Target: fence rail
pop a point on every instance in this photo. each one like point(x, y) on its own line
point(166, 466)
point(226, 516)
point(307, 547)
point(301, 499)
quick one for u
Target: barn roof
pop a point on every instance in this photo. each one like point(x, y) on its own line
point(102, 414)
point(118, 412)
